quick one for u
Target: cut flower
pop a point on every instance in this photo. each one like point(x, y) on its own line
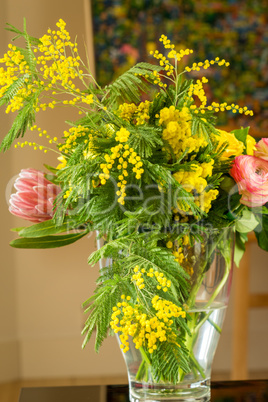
point(251, 176)
point(35, 196)
point(261, 150)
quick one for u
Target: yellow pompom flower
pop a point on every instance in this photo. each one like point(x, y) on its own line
point(234, 147)
point(122, 135)
point(251, 142)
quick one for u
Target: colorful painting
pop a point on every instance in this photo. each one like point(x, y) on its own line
point(236, 30)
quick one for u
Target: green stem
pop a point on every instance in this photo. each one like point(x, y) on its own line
point(193, 325)
point(141, 371)
point(199, 325)
point(197, 365)
point(144, 356)
point(220, 286)
point(214, 325)
point(195, 288)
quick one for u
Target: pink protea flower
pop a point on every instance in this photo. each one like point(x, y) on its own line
point(262, 149)
point(34, 197)
point(251, 176)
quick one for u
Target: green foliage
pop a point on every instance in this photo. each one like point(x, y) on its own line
point(169, 360)
point(128, 86)
point(261, 231)
point(49, 227)
point(165, 179)
point(47, 241)
point(30, 39)
point(240, 247)
point(13, 89)
point(145, 140)
point(181, 95)
point(241, 135)
point(247, 222)
point(22, 121)
point(100, 310)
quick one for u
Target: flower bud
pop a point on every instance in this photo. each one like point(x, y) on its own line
point(35, 196)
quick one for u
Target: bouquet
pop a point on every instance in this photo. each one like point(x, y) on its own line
point(144, 166)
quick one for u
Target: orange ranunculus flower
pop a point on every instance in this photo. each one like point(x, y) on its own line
point(251, 176)
point(261, 150)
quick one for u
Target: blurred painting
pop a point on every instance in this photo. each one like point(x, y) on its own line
point(125, 31)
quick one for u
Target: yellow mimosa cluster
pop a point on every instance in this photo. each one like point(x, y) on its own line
point(206, 64)
point(137, 114)
point(71, 138)
point(145, 329)
point(195, 182)
point(124, 156)
point(177, 130)
point(137, 278)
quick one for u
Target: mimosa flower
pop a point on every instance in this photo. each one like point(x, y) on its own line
point(262, 149)
point(34, 198)
point(251, 176)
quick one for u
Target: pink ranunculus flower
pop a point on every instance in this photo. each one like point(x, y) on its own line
point(261, 150)
point(34, 198)
point(251, 176)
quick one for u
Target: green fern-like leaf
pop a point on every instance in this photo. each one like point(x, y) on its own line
point(165, 179)
point(100, 309)
point(202, 127)
point(13, 89)
point(169, 360)
point(145, 139)
point(21, 34)
point(128, 86)
point(23, 120)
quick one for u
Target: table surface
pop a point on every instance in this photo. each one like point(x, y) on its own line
point(225, 391)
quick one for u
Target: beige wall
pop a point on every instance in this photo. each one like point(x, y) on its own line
point(41, 291)
point(9, 358)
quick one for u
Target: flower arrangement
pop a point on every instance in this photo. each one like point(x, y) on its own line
point(147, 168)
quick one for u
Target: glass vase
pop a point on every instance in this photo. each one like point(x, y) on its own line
point(209, 264)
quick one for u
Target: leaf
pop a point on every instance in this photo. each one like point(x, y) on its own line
point(261, 232)
point(240, 246)
point(144, 140)
point(164, 178)
point(128, 86)
point(49, 228)
point(201, 127)
point(260, 210)
point(241, 135)
point(47, 241)
point(25, 118)
point(106, 296)
point(247, 222)
point(51, 168)
point(19, 33)
point(13, 89)
point(17, 229)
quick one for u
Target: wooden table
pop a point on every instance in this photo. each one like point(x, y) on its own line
point(225, 391)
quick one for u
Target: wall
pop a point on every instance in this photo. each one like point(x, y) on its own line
point(9, 357)
point(41, 291)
